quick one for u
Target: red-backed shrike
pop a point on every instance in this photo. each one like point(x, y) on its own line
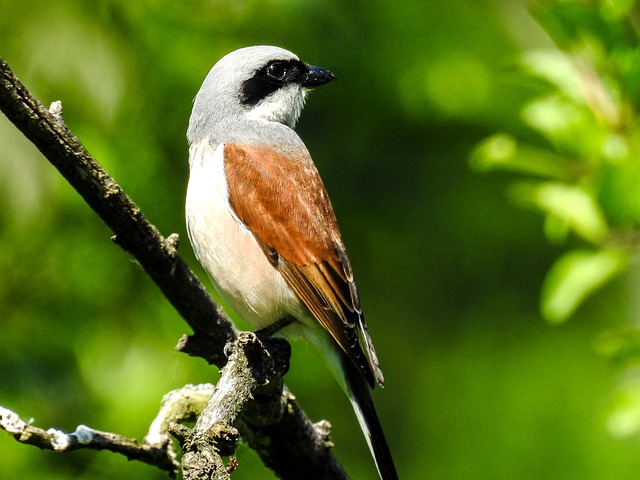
point(261, 224)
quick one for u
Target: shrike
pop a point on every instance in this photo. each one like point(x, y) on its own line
point(261, 223)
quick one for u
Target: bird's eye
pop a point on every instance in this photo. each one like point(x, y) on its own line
point(277, 70)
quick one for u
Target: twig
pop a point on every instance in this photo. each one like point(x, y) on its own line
point(88, 438)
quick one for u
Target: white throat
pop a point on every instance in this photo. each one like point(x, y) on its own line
point(283, 106)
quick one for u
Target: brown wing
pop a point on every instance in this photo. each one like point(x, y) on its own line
point(282, 200)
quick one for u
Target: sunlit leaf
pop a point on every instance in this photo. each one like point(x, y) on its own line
point(569, 203)
point(624, 418)
point(502, 152)
point(556, 67)
point(582, 89)
point(570, 126)
point(574, 277)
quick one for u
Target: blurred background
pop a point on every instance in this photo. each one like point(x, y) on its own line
point(481, 157)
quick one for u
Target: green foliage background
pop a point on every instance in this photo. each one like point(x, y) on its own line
point(449, 264)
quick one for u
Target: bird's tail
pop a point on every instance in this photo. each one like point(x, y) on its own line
point(360, 396)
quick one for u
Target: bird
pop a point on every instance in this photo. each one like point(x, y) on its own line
point(261, 223)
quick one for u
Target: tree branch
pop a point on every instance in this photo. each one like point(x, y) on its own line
point(86, 437)
point(251, 367)
point(249, 400)
point(157, 255)
point(290, 445)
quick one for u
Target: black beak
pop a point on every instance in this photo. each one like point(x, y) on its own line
point(316, 76)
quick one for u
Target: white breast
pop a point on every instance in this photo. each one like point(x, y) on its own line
point(227, 250)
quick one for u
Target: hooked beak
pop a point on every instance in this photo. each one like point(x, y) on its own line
point(316, 76)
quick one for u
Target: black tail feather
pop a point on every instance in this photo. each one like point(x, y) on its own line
point(360, 396)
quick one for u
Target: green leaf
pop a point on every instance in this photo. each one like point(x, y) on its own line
point(624, 416)
point(554, 116)
point(574, 277)
point(557, 68)
point(570, 204)
point(503, 152)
